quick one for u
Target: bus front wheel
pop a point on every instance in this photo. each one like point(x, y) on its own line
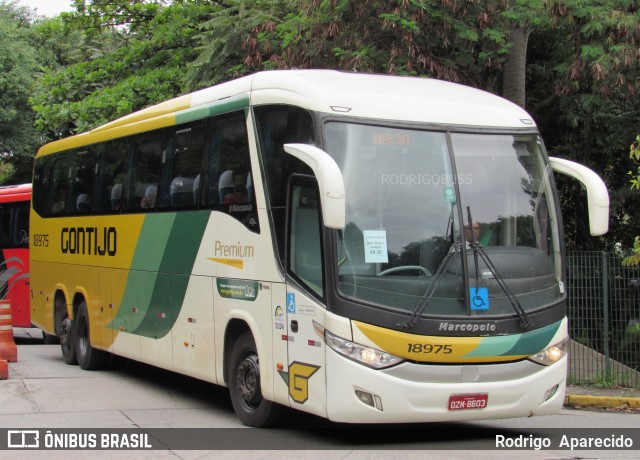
point(244, 386)
point(89, 358)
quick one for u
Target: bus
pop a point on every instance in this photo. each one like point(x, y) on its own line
point(15, 201)
point(365, 248)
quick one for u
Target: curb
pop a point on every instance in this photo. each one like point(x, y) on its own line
point(601, 402)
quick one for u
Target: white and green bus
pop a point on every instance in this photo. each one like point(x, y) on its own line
point(364, 248)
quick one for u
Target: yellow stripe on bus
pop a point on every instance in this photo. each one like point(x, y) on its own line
point(93, 137)
point(423, 348)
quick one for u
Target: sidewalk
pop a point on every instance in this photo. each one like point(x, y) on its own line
point(577, 396)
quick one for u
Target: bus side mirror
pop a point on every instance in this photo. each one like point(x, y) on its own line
point(597, 194)
point(330, 182)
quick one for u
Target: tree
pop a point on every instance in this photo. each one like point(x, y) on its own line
point(591, 114)
point(634, 153)
point(579, 59)
point(129, 70)
point(94, 16)
point(18, 63)
point(221, 56)
point(454, 41)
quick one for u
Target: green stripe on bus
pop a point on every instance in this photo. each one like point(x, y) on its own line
point(171, 284)
point(143, 274)
point(494, 346)
point(516, 345)
point(227, 105)
point(152, 242)
point(534, 341)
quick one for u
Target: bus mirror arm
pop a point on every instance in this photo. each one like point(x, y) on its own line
point(330, 182)
point(597, 194)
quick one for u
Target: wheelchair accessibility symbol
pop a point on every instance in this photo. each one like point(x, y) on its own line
point(479, 298)
point(291, 302)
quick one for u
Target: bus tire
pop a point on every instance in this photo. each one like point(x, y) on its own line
point(244, 386)
point(65, 330)
point(88, 357)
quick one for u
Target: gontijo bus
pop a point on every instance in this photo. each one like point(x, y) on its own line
point(14, 251)
point(365, 248)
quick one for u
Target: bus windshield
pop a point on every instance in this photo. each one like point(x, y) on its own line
point(408, 243)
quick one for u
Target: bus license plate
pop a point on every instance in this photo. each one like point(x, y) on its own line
point(468, 401)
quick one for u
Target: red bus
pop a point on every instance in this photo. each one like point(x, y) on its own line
point(15, 201)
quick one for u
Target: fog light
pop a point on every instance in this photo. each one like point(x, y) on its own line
point(549, 393)
point(370, 399)
point(366, 398)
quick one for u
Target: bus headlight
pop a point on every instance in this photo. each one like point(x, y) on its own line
point(371, 357)
point(551, 354)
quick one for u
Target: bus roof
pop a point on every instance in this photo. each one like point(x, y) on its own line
point(382, 97)
point(11, 193)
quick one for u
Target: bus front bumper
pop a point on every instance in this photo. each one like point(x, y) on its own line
point(418, 393)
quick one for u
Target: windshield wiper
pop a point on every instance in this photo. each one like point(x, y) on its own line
point(454, 248)
point(426, 298)
point(479, 250)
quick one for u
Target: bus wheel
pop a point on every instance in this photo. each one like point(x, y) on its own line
point(244, 385)
point(89, 358)
point(65, 332)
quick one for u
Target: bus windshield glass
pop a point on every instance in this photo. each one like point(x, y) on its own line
point(408, 232)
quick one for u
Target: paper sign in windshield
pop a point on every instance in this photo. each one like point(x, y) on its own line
point(375, 247)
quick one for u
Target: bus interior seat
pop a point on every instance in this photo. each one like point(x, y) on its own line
point(225, 184)
point(181, 192)
point(148, 201)
point(83, 203)
point(116, 197)
point(249, 187)
point(196, 190)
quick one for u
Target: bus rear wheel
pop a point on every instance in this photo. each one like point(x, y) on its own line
point(244, 386)
point(89, 358)
point(65, 331)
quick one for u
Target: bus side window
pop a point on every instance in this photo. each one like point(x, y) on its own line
point(59, 186)
point(83, 183)
point(41, 176)
point(181, 165)
point(5, 226)
point(305, 234)
point(144, 163)
point(21, 225)
point(229, 180)
point(278, 125)
point(112, 176)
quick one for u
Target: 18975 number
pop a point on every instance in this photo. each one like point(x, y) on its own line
point(41, 239)
point(429, 348)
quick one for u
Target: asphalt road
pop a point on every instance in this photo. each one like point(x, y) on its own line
point(181, 414)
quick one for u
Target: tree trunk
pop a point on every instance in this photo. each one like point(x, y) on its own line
point(513, 83)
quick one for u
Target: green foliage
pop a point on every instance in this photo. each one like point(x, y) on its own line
point(600, 39)
point(94, 16)
point(456, 41)
point(634, 258)
point(18, 138)
point(109, 58)
point(222, 39)
point(634, 154)
point(582, 87)
point(7, 170)
point(127, 71)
